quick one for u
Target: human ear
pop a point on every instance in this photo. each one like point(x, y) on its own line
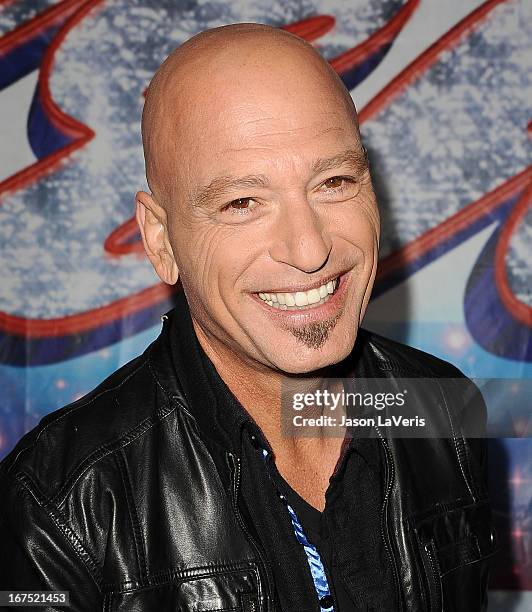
point(152, 221)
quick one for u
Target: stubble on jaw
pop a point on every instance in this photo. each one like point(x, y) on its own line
point(314, 335)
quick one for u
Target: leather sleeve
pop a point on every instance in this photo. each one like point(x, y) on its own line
point(474, 430)
point(39, 552)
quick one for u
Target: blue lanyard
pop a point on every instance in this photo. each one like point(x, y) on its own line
point(317, 569)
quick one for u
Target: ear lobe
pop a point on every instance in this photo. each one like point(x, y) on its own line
point(152, 221)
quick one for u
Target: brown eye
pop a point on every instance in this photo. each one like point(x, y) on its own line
point(338, 188)
point(240, 204)
point(334, 182)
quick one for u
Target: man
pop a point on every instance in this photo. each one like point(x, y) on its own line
point(171, 486)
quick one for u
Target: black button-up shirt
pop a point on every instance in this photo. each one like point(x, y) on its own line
point(347, 534)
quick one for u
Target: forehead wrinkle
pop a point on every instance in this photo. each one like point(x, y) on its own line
point(193, 61)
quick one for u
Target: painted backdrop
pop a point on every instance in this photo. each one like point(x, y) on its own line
point(444, 94)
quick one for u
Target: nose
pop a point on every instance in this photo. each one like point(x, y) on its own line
point(300, 239)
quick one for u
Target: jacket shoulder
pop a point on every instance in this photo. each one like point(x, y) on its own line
point(74, 437)
point(406, 360)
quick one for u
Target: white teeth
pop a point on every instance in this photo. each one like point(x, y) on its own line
point(285, 301)
point(313, 296)
point(301, 298)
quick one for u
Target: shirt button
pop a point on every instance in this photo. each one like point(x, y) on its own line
point(326, 602)
point(255, 442)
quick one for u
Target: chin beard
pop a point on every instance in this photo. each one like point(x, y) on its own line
point(314, 335)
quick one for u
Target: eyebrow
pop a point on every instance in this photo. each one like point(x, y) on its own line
point(357, 158)
point(203, 196)
point(222, 184)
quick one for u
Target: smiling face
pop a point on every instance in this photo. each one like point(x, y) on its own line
point(270, 215)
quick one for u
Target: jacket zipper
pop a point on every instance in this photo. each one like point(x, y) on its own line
point(434, 599)
point(235, 486)
point(390, 473)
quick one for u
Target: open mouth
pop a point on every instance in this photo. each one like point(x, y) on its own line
point(301, 300)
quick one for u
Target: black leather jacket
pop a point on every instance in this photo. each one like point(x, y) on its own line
point(119, 500)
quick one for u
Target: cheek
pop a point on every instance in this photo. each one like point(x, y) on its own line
point(214, 258)
point(356, 223)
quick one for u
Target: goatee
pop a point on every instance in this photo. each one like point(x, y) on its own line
point(315, 334)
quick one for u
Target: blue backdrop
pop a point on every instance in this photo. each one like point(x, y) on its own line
point(443, 90)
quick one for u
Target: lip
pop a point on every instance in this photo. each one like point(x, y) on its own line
point(308, 315)
point(296, 288)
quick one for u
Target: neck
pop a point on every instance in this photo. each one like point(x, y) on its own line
point(259, 390)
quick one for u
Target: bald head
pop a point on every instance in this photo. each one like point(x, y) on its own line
point(260, 187)
point(214, 70)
